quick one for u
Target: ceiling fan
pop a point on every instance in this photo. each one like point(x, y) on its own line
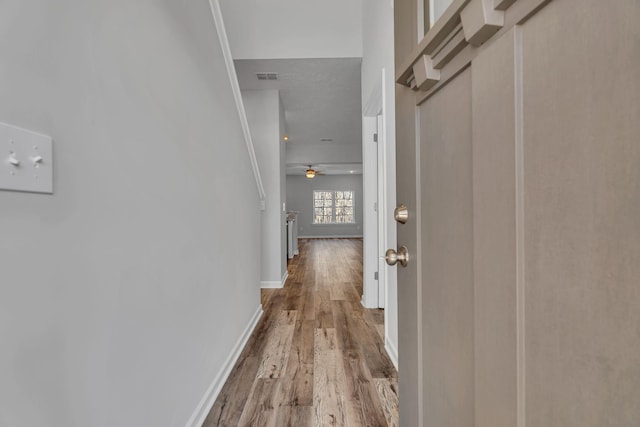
point(311, 172)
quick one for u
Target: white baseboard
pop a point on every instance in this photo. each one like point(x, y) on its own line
point(369, 300)
point(210, 396)
point(270, 285)
point(296, 252)
point(275, 284)
point(392, 351)
point(353, 236)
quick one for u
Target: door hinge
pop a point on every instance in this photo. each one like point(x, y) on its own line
point(375, 137)
point(375, 206)
point(375, 276)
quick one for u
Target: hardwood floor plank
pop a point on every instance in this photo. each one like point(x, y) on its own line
point(261, 404)
point(363, 405)
point(328, 401)
point(336, 291)
point(324, 312)
point(265, 294)
point(277, 350)
point(307, 307)
point(343, 321)
point(388, 394)
point(293, 291)
point(230, 403)
point(297, 381)
point(258, 340)
point(294, 416)
point(302, 342)
point(376, 315)
point(351, 293)
point(324, 340)
point(373, 349)
point(297, 385)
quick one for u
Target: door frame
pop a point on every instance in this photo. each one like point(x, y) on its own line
point(379, 114)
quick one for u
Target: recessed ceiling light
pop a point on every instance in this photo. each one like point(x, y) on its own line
point(286, 137)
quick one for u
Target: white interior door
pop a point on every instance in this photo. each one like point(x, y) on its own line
point(382, 205)
point(371, 247)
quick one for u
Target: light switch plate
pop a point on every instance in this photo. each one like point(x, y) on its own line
point(26, 160)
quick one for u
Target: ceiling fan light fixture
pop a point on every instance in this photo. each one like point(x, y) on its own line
point(310, 173)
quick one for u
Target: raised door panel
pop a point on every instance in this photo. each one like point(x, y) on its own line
point(447, 255)
point(494, 232)
point(581, 136)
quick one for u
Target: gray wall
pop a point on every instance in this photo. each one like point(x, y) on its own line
point(300, 198)
point(264, 114)
point(123, 293)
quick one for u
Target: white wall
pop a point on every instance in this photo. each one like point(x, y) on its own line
point(378, 94)
point(264, 115)
point(320, 153)
point(294, 28)
point(377, 53)
point(300, 198)
point(123, 293)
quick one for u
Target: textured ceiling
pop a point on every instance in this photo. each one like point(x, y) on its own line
point(321, 99)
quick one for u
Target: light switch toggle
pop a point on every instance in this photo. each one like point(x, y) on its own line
point(13, 160)
point(37, 161)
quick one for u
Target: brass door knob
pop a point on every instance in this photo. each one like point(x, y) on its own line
point(402, 256)
point(401, 214)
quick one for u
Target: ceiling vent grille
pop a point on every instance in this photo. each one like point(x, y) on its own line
point(267, 76)
point(326, 139)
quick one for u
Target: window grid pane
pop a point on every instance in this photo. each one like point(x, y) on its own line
point(333, 207)
point(344, 207)
point(323, 207)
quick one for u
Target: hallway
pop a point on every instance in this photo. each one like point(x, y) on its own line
point(316, 357)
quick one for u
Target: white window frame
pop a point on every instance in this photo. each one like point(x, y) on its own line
point(333, 207)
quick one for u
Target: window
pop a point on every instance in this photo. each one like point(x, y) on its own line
point(437, 8)
point(333, 207)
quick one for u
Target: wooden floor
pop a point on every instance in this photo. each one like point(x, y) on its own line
point(317, 357)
